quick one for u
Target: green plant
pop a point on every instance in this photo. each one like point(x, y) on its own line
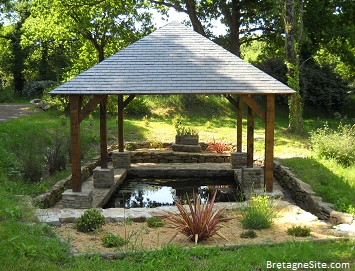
point(111, 240)
point(299, 231)
point(258, 214)
point(199, 221)
point(91, 220)
point(156, 144)
point(131, 146)
point(155, 222)
point(248, 234)
point(218, 146)
point(336, 144)
point(183, 130)
point(146, 120)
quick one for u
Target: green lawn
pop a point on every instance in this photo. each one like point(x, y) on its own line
point(27, 245)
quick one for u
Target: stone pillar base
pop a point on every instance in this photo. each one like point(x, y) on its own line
point(103, 177)
point(238, 159)
point(121, 159)
point(251, 180)
point(77, 200)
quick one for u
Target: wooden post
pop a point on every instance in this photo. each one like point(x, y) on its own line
point(75, 106)
point(103, 132)
point(250, 138)
point(269, 142)
point(120, 123)
point(239, 124)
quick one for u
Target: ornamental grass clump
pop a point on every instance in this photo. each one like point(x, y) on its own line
point(197, 221)
point(258, 214)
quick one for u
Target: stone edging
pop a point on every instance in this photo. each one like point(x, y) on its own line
point(54, 194)
point(305, 197)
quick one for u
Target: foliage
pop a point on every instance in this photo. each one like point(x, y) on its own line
point(155, 222)
point(218, 146)
point(258, 214)
point(322, 88)
point(299, 231)
point(131, 146)
point(137, 107)
point(248, 234)
point(57, 156)
point(111, 240)
point(182, 130)
point(90, 220)
point(156, 144)
point(35, 89)
point(199, 221)
point(336, 144)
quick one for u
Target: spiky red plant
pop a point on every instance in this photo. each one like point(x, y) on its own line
point(198, 221)
point(218, 147)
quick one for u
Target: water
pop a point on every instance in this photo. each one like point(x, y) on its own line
point(150, 193)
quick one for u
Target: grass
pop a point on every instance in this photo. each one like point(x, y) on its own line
point(27, 245)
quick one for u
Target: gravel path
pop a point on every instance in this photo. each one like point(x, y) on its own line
point(10, 111)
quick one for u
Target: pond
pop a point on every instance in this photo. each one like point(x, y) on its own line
point(150, 193)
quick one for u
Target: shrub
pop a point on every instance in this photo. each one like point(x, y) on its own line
point(218, 147)
point(35, 89)
point(248, 234)
point(155, 222)
point(201, 222)
point(299, 231)
point(91, 220)
point(258, 214)
point(111, 240)
point(335, 144)
point(137, 107)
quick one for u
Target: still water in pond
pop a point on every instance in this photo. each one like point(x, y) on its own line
point(150, 193)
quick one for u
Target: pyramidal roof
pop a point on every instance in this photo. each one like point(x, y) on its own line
point(173, 60)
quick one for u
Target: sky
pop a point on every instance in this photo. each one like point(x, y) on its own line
point(219, 28)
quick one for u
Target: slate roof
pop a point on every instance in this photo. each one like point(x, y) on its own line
point(173, 60)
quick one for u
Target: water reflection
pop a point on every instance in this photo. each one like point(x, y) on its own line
point(150, 193)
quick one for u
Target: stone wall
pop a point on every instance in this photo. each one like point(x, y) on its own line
point(162, 156)
point(306, 198)
point(54, 194)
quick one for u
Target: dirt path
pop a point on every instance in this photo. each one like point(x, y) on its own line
point(11, 111)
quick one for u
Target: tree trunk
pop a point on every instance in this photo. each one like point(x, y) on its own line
point(191, 9)
point(295, 103)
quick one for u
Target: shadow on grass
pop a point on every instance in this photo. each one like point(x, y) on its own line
point(331, 187)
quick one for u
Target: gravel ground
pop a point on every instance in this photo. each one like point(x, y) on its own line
point(10, 111)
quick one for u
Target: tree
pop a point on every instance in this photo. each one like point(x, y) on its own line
point(293, 23)
point(241, 17)
point(16, 12)
point(104, 23)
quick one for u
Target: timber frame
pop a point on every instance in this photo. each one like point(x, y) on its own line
point(78, 112)
point(172, 60)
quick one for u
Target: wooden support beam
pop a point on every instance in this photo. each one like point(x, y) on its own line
point(120, 123)
point(128, 100)
point(240, 125)
point(269, 142)
point(93, 102)
point(231, 100)
point(254, 105)
point(103, 132)
point(239, 106)
point(75, 106)
point(250, 138)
